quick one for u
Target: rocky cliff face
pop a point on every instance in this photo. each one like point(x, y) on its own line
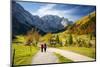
point(52, 23)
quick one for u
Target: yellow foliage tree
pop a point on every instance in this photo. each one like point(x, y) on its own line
point(47, 37)
point(36, 36)
point(29, 37)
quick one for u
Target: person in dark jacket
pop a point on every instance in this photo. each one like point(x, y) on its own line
point(41, 47)
point(45, 47)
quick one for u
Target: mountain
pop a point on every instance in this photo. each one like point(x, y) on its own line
point(23, 21)
point(65, 22)
point(85, 25)
point(52, 23)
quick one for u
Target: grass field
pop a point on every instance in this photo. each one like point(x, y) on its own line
point(62, 59)
point(24, 54)
point(90, 52)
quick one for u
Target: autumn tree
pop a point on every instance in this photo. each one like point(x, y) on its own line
point(36, 37)
point(29, 37)
point(47, 37)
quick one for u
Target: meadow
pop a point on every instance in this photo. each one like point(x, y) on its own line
point(23, 54)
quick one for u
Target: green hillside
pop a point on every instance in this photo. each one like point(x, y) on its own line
point(85, 25)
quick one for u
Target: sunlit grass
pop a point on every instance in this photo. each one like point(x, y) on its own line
point(62, 59)
point(24, 54)
point(90, 52)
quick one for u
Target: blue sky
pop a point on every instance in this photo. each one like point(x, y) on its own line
point(70, 11)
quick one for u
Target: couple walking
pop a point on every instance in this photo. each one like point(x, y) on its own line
point(43, 47)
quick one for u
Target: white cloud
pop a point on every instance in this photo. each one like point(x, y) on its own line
point(49, 10)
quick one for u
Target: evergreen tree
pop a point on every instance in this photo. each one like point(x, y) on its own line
point(90, 36)
point(70, 39)
point(57, 39)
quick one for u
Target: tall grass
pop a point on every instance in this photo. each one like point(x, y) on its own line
point(23, 54)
